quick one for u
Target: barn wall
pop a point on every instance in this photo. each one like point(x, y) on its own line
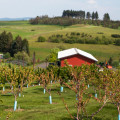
point(76, 60)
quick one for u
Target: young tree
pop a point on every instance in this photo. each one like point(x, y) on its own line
point(110, 61)
point(114, 89)
point(53, 55)
point(34, 60)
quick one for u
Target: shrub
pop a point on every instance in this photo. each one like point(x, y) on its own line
point(7, 55)
point(62, 47)
point(115, 63)
point(115, 35)
point(22, 56)
point(117, 42)
point(41, 39)
point(100, 33)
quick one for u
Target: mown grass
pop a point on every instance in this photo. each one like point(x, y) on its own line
point(32, 32)
point(35, 105)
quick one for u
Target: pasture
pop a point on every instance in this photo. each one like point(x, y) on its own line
point(32, 32)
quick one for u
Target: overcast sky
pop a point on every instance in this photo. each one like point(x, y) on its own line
point(33, 8)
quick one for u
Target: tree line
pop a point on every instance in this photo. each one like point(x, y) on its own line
point(71, 17)
point(13, 46)
point(80, 14)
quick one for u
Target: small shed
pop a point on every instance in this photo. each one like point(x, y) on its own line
point(1, 56)
point(76, 57)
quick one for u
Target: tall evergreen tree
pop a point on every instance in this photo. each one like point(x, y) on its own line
point(25, 46)
point(106, 17)
point(96, 15)
point(93, 16)
point(88, 15)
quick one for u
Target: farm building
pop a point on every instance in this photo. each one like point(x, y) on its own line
point(1, 56)
point(75, 57)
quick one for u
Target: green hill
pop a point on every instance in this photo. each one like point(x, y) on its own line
point(32, 32)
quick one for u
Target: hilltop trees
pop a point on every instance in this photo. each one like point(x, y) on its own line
point(88, 15)
point(72, 17)
point(95, 15)
point(106, 17)
point(71, 13)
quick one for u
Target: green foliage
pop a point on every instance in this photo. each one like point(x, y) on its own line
point(72, 17)
point(82, 38)
point(7, 44)
point(106, 84)
point(106, 17)
point(116, 64)
point(110, 61)
point(7, 55)
point(115, 35)
point(6, 40)
point(41, 39)
point(53, 55)
point(19, 45)
point(117, 42)
point(22, 56)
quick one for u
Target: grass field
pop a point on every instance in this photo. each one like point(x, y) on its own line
point(32, 32)
point(35, 105)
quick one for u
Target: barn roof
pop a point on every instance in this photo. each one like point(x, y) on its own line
point(74, 51)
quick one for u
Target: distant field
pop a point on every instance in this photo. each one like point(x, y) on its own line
point(31, 32)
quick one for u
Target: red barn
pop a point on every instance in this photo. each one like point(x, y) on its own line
point(75, 57)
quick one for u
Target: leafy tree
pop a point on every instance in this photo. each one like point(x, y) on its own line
point(19, 45)
point(41, 39)
point(117, 42)
point(53, 55)
point(5, 41)
point(16, 45)
point(25, 46)
point(106, 17)
point(22, 56)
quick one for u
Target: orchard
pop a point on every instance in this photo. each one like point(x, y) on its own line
point(87, 83)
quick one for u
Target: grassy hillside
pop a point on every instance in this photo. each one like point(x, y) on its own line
point(31, 32)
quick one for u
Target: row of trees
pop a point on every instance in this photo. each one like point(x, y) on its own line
point(67, 21)
point(105, 84)
point(71, 13)
point(8, 44)
point(71, 17)
point(80, 14)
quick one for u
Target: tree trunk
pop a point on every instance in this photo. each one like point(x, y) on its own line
point(15, 103)
point(118, 107)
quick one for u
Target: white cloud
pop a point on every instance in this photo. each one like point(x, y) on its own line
point(91, 1)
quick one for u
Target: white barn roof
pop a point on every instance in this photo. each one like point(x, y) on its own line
point(74, 51)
